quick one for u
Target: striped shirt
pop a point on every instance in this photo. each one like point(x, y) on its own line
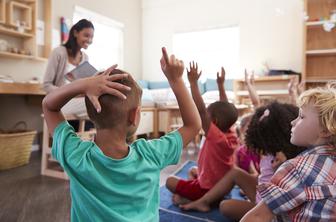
point(304, 188)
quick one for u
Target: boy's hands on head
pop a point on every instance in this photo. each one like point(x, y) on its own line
point(93, 87)
point(171, 67)
point(193, 74)
point(221, 77)
point(105, 84)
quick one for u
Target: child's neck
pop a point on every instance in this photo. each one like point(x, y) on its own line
point(112, 142)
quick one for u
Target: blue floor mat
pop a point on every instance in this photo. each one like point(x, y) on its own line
point(170, 212)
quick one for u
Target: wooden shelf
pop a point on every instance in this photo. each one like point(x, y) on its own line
point(319, 78)
point(268, 78)
point(318, 23)
point(21, 56)
point(2, 12)
point(26, 13)
point(321, 52)
point(15, 55)
point(15, 33)
point(27, 1)
point(275, 92)
point(16, 88)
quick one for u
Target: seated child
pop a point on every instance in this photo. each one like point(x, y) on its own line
point(109, 179)
point(268, 134)
point(303, 188)
point(245, 158)
point(216, 157)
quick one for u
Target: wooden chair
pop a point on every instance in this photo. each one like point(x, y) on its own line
point(49, 166)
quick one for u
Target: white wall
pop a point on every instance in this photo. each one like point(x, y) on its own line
point(270, 30)
point(127, 12)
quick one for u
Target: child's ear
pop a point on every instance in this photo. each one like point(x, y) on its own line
point(325, 133)
point(134, 114)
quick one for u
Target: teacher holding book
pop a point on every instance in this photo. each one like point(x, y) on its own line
point(66, 58)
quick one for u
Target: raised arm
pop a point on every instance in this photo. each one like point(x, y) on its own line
point(93, 87)
point(249, 81)
point(221, 86)
point(294, 89)
point(173, 70)
point(193, 76)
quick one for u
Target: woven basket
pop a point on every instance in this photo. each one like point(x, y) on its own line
point(15, 148)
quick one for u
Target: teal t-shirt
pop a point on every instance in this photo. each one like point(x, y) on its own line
point(106, 189)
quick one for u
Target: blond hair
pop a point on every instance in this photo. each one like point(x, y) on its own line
point(324, 101)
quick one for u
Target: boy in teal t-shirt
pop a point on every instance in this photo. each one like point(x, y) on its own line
point(109, 179)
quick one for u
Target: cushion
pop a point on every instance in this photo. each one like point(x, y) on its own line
point(146, 95)
point(143, 84)
point(211, 84)
point(158, 84)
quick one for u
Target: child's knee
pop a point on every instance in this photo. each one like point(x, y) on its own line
point(224, 208)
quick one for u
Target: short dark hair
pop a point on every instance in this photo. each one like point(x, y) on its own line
point(223, 114)
point(269, 131)
point(114, 110)
point(71, 45)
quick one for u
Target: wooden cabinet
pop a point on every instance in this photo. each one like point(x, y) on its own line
point(268, 88)
point(319, 64)
point(18, 29)
point(148, 122)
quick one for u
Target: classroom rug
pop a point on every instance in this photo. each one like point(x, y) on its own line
point(170, 212)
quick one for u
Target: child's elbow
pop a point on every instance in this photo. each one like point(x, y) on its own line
point(45, 103)
point(198, 125)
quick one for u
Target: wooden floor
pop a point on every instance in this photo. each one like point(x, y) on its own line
point(26, 196)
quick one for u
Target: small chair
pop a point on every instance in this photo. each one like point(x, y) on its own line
point(49, 166)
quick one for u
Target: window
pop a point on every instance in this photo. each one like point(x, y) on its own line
point(212, 49)
point(107, 45)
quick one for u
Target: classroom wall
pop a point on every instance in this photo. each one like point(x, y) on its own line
point(270, 30)
point(127, 12)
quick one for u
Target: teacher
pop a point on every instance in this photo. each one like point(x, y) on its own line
point(68, 56)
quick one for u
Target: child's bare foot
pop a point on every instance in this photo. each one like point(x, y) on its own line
point(177, 199)
point(192, 173)
point(196, 205)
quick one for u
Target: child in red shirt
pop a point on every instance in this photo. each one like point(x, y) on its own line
point(216, 157)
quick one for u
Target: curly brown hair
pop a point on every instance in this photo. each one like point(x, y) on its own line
point(269, 131)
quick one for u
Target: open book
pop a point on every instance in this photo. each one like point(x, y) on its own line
point(83, 70)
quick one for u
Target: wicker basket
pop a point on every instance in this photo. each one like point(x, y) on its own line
point(15, 148)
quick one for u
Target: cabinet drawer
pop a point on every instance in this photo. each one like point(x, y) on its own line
point(146, 123)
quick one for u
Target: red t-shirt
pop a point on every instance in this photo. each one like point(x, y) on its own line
point(216, 157)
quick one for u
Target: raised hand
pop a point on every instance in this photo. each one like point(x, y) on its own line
point(221, 77)
point(171, 67)
point(249, 81)
point(105, 84)
point(249, 78)
point(193, 74)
